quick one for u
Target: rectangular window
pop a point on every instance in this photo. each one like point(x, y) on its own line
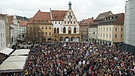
point(49, 27)
point(106, 35)
point(121, 29)
point(110, 29)
point(121, 35)
point(116, 29)
point(106, 29)
point(116, 35)
point(49, 33)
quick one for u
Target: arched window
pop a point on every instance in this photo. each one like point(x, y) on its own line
point(54, 30)
point(74, 29)
point(57, 30)
point(64, 30)
point(69, 30)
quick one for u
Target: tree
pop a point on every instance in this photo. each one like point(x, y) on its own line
point(34, 34)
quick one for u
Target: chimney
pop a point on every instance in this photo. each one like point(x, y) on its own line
point(51, 13)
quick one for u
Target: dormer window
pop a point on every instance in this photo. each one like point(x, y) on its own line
point(35, 21)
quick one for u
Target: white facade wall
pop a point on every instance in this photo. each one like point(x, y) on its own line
point(14, 33)
point(2, 35)
point(62, 24)
point(92, 32)
point(22, 30)
point(129, 31)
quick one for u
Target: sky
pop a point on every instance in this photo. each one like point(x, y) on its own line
point(82, 9)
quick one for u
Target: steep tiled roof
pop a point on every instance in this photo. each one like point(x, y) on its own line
point(58, 14)
point(120, 19)
point(103, 15)
point(41, 16)
point(116, 19)
point(86, 21)
point(22, 23)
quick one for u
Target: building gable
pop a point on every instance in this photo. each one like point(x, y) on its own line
point(70, 19)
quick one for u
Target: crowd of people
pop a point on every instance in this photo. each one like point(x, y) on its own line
point(79, 59)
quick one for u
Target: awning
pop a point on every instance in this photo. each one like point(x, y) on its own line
point(15, 62)
point(6, 51)
point(20, 52)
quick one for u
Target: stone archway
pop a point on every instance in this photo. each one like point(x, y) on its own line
point(77, 39)
point(67, 39)
point(49, 39)
point(73, 39)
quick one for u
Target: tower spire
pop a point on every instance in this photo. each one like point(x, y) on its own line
point(69, 4)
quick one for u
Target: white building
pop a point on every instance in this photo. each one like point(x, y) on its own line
point(14, 29)
point(2, 33)
point(129, 25)
point(22, 28)
point(65, 25)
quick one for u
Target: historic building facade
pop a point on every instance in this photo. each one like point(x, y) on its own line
point(93, 28)
point(129, 25)
point(14, 29)
point(22, 29)
point(57, 25)
point(92, 32)
point(110, 29)
point(84, 24)
point(65, 25)
point(40, 25)
point(2, 33)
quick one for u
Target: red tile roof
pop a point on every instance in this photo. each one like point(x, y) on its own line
point(22, 23)
point(58, 14)
point(86, 21)
point(120, 19)
point(103, 15)
point(39, 16)
point(115, 19)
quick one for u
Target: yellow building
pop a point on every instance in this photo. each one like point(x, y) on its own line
point(84, 24)
point(42, 26)
point(110, 29)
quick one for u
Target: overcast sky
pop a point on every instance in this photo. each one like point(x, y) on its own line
point(83, 9)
